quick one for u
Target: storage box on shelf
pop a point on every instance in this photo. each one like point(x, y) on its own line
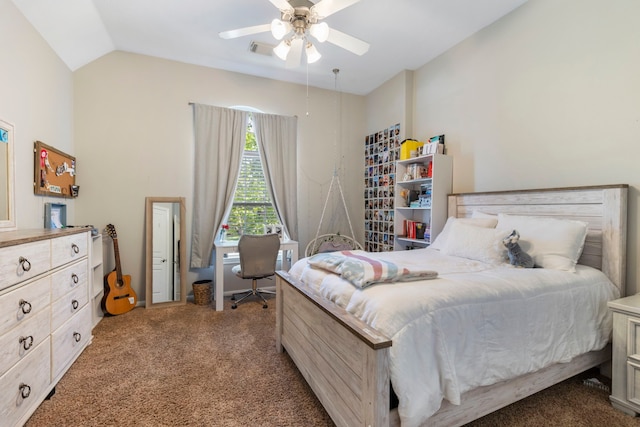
point(422, 186)
point(45, 319)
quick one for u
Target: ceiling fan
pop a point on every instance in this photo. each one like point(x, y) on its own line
point(298, 20)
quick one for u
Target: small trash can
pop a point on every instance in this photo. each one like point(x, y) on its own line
point(202, 292)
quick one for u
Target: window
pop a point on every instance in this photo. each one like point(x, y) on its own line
point(252, 205)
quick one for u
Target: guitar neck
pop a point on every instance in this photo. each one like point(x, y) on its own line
point(117, 255)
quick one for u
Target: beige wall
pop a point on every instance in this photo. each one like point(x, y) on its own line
point(36, 96)
point(549, 96)
point(546, 97)
point(135, 139)
point(392, 103)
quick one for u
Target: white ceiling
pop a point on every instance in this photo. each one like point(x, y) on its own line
point(403, 34)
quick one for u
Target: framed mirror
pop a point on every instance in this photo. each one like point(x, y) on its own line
point(7, 178)
point(166, 268)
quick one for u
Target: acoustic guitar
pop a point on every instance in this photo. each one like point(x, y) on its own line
point(119, 297)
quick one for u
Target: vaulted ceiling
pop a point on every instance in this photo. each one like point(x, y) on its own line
point(403, 34)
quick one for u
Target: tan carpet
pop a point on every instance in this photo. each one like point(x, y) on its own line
point(192, 366)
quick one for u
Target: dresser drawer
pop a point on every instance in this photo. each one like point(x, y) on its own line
point(25, 385)
point(24, 302)
point(71, 303)
point(70, 339)
point(19, 342)
point(633, 382)
point(21, 262)
point(633, 337)
point(68, 248)
point(68, 278)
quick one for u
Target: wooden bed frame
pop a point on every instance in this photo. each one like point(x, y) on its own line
point(346, 362)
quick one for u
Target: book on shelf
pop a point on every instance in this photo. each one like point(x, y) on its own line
point(414, 229)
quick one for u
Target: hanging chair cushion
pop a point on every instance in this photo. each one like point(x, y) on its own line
point(331, 243)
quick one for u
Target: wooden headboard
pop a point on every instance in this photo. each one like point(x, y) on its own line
point(603, 208)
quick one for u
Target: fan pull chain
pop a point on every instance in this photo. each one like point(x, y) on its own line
point(307, 89)
point(338, 126)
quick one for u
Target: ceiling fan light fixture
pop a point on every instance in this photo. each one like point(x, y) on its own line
point(282, 50)
point(312, 53)
point(320, 31)
point(279, 28)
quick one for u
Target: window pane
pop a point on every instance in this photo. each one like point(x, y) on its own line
point(252, 207)
point(250, 219)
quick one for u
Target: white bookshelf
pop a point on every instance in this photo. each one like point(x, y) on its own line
point(432, 213)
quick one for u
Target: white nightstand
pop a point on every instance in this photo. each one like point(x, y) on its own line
point(625, 394)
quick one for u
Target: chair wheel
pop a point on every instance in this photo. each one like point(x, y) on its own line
point(265, 306)
point(234, 306)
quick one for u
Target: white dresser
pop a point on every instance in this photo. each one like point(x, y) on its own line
point(625, 393)
point(45, 317)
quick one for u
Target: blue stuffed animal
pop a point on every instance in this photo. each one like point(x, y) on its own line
point(517, 256)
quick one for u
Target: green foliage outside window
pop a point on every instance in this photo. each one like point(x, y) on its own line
point(252, 207)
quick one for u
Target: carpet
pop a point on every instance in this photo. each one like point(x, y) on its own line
point(192, 366)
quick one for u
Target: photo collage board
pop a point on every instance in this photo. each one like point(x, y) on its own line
point(382, 149)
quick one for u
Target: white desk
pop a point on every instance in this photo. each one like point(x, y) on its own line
point(229, 247)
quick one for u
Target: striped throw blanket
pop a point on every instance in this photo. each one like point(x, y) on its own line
point(362, 270)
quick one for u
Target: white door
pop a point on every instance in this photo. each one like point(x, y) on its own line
point(162, 254)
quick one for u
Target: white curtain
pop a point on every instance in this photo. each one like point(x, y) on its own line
point(277, 142)
point(220, 135)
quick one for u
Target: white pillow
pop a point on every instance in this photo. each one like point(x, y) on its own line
point(442, 238)
point(478, 243)
point(552, 243)
point(478, 214)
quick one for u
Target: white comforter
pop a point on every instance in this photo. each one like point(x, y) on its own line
point(475, 325)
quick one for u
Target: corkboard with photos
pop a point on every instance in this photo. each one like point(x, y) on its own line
point(382, 149)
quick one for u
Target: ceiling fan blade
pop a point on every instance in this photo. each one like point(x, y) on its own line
point(325, 8)
point(295, 54)
point(347, 42)
point(240, 32)
point(282, 5)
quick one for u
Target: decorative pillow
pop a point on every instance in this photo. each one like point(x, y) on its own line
point(442, 238)
point(552, 243)
point(477, 243)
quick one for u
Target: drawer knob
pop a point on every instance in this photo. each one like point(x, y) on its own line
point(75, 304)
point(75, 248)
point(25, 306)
point(24, 264)
point(77, 336)
point(25, 390)
point(75, 278)
point(26, 342)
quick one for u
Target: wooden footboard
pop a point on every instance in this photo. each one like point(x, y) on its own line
point(344, 360)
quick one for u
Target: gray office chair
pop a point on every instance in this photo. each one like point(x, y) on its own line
point(258, 256)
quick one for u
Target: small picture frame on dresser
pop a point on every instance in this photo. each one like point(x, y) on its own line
point(55, 215)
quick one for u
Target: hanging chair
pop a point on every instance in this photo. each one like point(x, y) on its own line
point(332, 242)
